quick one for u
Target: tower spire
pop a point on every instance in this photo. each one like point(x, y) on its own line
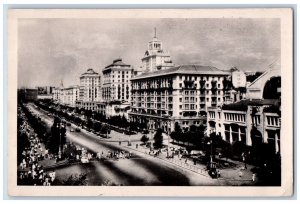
point(61, 83)
point(154, 32)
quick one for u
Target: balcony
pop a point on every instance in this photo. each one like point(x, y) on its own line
point(202, 84)
point(214, 85)
point(189, 113)
point(214, 103)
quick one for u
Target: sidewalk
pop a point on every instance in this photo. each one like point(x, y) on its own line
point(230, 176)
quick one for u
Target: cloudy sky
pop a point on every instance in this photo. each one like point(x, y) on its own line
point(51, 50)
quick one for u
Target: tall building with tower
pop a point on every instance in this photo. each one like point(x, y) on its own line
point(155, 58)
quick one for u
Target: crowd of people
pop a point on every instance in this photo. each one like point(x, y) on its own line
point(30, 172)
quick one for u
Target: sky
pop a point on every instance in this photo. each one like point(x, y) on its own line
point(55, 50)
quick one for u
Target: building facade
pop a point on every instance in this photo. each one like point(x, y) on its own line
point(116, 89)
point(70, 95)
point(180, 94)
point(254, 120)
point(116, 81)
point(56, 94)
point(248, 122)
point(155, 58)
point(238, 78)
point(89, 90)
point(66, 96)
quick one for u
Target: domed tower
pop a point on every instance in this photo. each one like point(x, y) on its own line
point(155, 58)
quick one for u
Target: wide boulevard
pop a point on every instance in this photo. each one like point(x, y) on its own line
point(141, 169)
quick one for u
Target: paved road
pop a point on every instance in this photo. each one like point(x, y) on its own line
point(140, 170)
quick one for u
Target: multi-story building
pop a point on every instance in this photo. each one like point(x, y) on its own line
point(70, 95)
point(45, 92)
point(66, 96)
point(155, 57)
point(116, 89)
point(254, 120)
point(238, 78)
point(56, 94)
point(89, 90)
point(237, 91)
point(180, 94)
point(116, 81)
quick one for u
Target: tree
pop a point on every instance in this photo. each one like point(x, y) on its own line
point(89, 123)
point(58, 136)
point(144, 139)
point(158, 138)
point(97, 126)
point(177, 128)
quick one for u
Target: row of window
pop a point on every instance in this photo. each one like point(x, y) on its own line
point(195, 85)
point(273, 121)
point(195, 78)
point(235, 117)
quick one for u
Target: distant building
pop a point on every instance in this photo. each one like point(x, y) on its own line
point(155, 58)
point(238, 78)
point(28, 94)
point(180, 94)
point(89, 90)
point(56, 94)
point(66, 95)
point(237, 91)
point(70, 95)
point(45, 92)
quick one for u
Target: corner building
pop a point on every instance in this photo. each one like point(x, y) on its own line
point(255, 120)
point(180, 94)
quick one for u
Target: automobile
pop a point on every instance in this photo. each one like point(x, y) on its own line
point(68, 124)
point(84, 160)
point(49, 114)
point(71, 130)
point(213, 170)
point(77, 130)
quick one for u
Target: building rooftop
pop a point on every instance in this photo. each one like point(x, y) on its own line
point(89, 72)
point(184, 69)
point(117, 62)
point(243, 104)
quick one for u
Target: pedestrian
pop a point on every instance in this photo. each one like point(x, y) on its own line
point(218, 173)
point(253, 177)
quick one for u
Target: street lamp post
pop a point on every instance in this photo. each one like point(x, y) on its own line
point(59, 147)
point(60, 126)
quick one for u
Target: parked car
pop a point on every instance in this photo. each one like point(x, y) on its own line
point(77, 130)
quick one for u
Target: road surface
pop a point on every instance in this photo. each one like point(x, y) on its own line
point(140, 170)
